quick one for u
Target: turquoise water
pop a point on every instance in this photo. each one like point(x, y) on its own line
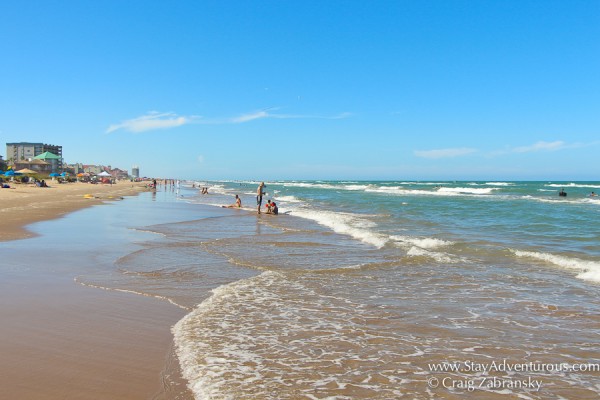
point(361, 290)
point(525, 216)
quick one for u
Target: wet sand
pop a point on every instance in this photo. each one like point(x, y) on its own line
point(61, 340)
point(23, 204)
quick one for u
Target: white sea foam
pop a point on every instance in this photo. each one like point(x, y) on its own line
point(257, 335)
point(566, 200)
point(500, 183)
point(424, 183)
point(462, 190)
point(203, 378)
point(346, 224)
point(288, 199)
point(437, 256)
point(309, 185)
point(573, 185)
point(589, 270)
point(219, 189)
point(444, 192)
point(424, 243)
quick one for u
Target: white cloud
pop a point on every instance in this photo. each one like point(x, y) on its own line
point(267, 114)
point(155, 120)
point(151, 121)
point(444, 153)
point(542, 146)
point(251, 117)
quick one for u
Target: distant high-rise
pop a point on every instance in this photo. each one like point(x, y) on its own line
point(135, 171)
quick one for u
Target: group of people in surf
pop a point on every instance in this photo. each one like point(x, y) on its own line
point(271, 206)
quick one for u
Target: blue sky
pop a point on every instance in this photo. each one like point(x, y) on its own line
point(308, 89)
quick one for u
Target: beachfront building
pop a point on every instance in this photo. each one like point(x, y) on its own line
point(135, 171)
point(2, 164)
point(93, 169)
point(39, 166)
point(26, 151)
point(119, 174)
point(52, 159)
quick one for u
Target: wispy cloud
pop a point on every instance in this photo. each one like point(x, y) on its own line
point(542, 146)
point(155, 120)
point(251, 116)
point(152, 121)
point(444, 153)
point(269, 114)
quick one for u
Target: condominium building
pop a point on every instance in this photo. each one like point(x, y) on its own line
point(23, 151)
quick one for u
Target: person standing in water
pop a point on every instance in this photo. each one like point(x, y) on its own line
point(259, 195)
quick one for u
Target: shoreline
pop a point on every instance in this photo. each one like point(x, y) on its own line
point(61, 339)
point(24, 204)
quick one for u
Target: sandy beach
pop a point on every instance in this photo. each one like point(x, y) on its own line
point(61, 340)
point(23, 204)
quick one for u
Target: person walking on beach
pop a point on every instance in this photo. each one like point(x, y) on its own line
point(259, 195)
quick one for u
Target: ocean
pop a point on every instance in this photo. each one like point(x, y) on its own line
point(376, 290)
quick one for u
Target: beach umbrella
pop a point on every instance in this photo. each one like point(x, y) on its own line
point(26, 171)
point(10, 172)
point(54, 174)
point(104, 174)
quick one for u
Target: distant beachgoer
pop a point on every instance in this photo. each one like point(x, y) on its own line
point(593, 194)
point(274, 208)
point(154, 183)
point(259, 195)
point(204, 190)
point(237, 204)
point(562, 193)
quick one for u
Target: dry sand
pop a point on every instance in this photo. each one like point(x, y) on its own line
point(24, 204)
point(60, 340)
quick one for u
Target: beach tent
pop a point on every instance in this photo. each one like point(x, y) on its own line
point(26, 171)
point(104, 174)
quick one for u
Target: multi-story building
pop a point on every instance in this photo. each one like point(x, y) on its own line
point(39, 166)
point(2, 164)
point(119, 174)
point(93, 169)
point(135, 171)
point(25, 151)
